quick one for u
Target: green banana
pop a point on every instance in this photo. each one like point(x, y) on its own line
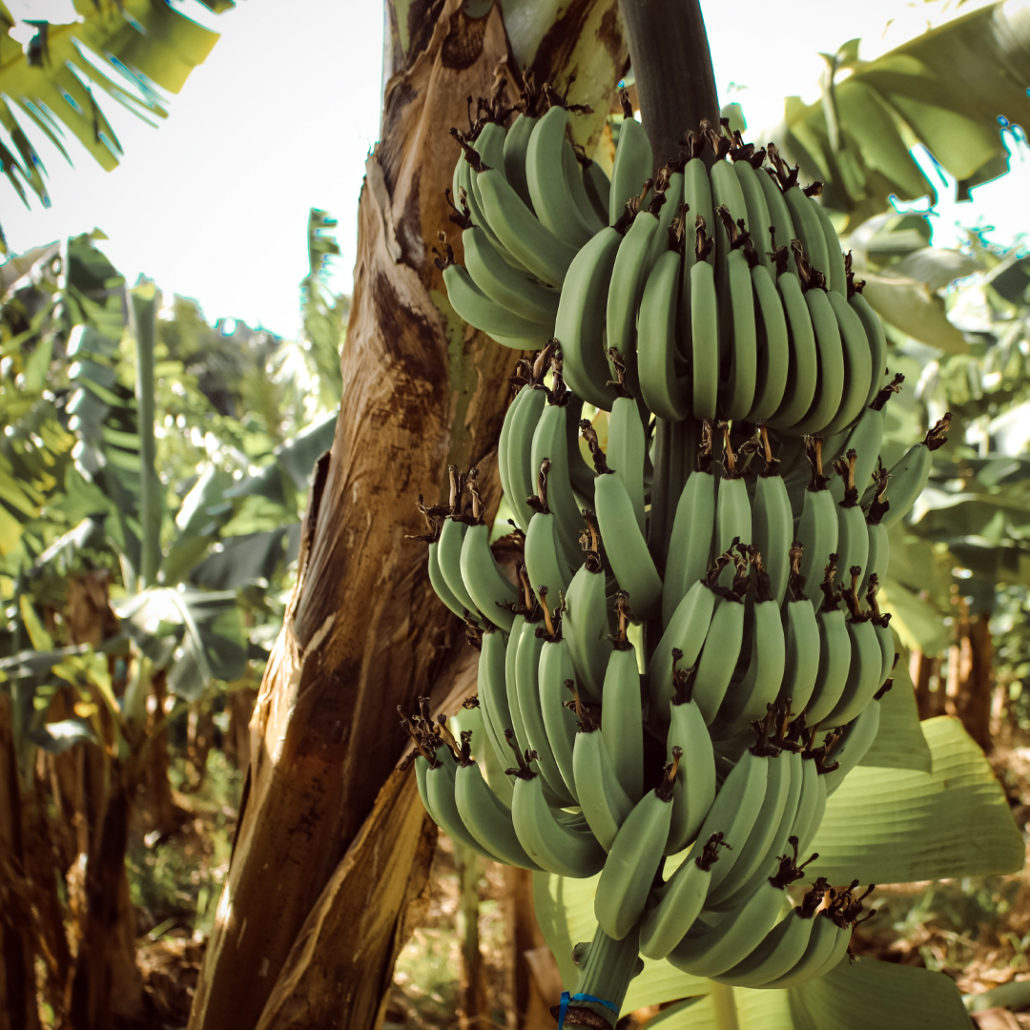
point(626, 451)
point(448, 552)
point(836, 273)
point(557, 679)
point(487, 818)
point(864, 679)
point(780, 950)
point(527, 690)
point(812, 803)
point(689, 742)
point(748, 700)
point(858, 364)
point(586, 625)
point(515, 291)
point(588, 210)
point(704, 339)
point(690, 539)
point(518, 230)
point(876, 337)
point(759, 221)
point(545, 559)
point(721, 650)
point(909, 474)
point(579, 322)
point(678, 901)
point(772, 522)
point(735, 809)
point(732, 504)
point(493, 697)
point(817, 525)
point(801, 664)
point(633, 163)
point(622, 723)
point(685, 634)
point(827, 945)
point(634, 859)
point(670, 210)
point(487, 584)
point(513, 153)
point(806, 223)
point(781, 225)
point(519, 626)
point(771, 834)
point(625, 544)
point(556, 841)
point(665, 382)
point(740, 340)
point(710, 950)
point(801, 378)
point(852, 534)
point(440, 802)
point(866, 436)
point(602, 800)
point(629, 273)
point(830, 392)
point(834, 658)
point(773, 346)
point(442, 590)
point(548, 182)
point(515, 450)
point(550, 444)
point(484, 313)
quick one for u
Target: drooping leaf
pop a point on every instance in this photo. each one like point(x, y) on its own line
point(869, 993)
point(897, 825)
point(72, 73)
point(900, 743)
point(58, 737)
point(947, 88)
point(196, 636)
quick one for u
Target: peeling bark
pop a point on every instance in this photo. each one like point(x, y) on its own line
point(329, 822)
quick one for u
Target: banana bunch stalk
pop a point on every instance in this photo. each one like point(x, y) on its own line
point(681, 646)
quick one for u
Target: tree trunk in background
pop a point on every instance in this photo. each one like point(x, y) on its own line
point(332, 844)
point(17, 940)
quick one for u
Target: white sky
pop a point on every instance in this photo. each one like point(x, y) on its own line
point(213, 203)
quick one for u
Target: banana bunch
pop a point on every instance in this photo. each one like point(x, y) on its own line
point(525, 199)
point(719, 282)
point(681, 644)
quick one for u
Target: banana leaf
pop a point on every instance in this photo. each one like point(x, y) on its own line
point(123, 52)
point(950, 88)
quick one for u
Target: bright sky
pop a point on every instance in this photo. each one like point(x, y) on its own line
point(213, 203)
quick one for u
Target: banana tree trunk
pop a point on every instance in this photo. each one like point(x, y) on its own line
point(17, 943)
point(332, 844)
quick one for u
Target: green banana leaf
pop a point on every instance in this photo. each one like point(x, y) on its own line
point(882, 825)
point(948, 88)
point(900, 825)
point(196, 635)
point(122, 52)
point(900, 743)
point(855, 996)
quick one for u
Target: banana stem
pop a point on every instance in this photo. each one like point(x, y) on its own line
point(672, 66)
point(604, 977)
point(724, 1007)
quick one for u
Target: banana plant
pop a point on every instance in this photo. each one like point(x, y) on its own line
point(950, 87)
point(52, 73)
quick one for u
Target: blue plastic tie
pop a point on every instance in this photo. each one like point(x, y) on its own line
point(563, 1006)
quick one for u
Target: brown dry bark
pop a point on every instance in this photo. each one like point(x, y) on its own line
point(331, 845)
point(17, 940)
